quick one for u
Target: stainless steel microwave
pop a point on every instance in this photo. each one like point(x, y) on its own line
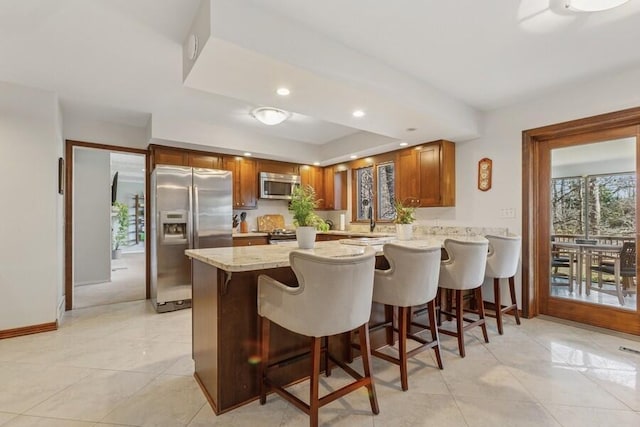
point(277, 185)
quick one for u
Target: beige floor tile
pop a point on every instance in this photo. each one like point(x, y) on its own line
point(412, 409)
point(93, 397)
point(564, 385)
point(253, 414)
point(25, 385)
point(481, 378)
point(169, 401)
point(65, 373)
point(571, 416)
point(28, 421)
point(490, 412)
point(5, 417)
point(624, 385)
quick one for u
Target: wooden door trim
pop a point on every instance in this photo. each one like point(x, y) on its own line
point(617, 124)
point(68, 212)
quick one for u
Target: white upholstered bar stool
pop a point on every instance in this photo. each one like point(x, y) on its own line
point(411, 280)
point(333, 296)
point(464, 270)
point(502, 263)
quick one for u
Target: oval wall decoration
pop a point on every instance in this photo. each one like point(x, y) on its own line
point(484, 174)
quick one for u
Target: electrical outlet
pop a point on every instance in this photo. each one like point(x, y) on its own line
point(507, 213)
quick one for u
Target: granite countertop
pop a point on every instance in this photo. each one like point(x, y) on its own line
point(249, 258)
point(356, 233)
point(333, 232)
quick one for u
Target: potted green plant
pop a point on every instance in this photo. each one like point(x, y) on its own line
point(307, 222)
point(405, 215)
point(122, 228)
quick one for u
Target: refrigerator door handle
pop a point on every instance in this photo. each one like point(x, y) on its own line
point(190, 219)
point(196, 217)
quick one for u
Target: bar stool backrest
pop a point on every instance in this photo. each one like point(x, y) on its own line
point(466, 264)
point(412, 278)
point(503, 257)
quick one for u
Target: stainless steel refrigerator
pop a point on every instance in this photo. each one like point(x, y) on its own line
point(190, 208)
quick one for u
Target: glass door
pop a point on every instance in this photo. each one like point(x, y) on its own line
point(592, 205)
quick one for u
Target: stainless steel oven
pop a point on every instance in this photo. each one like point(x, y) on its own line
point(277, 185)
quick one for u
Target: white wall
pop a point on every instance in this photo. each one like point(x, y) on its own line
point(91, 216)
point(30, 218)
point(502, 142)
point(102, 132)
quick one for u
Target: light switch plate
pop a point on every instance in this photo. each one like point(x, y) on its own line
point(507, 213)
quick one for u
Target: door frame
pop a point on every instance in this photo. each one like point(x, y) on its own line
point(535, 227)
point(68, 212)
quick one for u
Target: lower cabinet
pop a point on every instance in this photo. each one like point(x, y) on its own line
point(320, 237)
point(250, 241)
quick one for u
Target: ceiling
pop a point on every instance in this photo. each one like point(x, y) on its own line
point(432, 65)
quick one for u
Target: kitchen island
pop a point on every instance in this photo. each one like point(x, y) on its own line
point(225, 319)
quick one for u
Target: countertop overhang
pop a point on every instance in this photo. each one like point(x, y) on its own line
point(262, 257)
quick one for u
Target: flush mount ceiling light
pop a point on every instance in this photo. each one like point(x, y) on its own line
point(270, 115)
point(593, 5)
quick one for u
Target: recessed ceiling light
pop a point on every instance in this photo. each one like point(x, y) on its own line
point(358, 113)
point(593, 5)
point(316, 163)
point(411, 129)
point(247, 154)
point(404, 144)
point(283, 91)
point(353, 156)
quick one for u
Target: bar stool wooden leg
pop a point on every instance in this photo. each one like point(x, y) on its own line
point(264, 357)
point(498, 304)
point(431, 309)
point(514, 301)
point(459, 321)
point(483, 325)
point(402, 346)
point(314, 401)
point(365, 351)
point(327, 359)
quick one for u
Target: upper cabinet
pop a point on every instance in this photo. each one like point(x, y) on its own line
point(179, 157)
point(314, 176)
point(335, 189)
point(245, 181)
point(427, 172)
point(278, 167)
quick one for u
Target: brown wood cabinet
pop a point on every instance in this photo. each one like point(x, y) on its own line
point(180, 157)
point(314, 176)
point(250, 241)
point(245, 181)
point(328, 184)
point(427, 172)
point(273, 166)
point(335, 189)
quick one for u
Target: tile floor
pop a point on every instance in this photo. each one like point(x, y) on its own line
point(127, 283)
point(125, 365)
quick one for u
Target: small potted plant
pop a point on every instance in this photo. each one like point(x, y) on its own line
point(120, 236)
point(307, 222)
point(405, 215)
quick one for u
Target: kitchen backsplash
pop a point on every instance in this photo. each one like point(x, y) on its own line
point(270, 207)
